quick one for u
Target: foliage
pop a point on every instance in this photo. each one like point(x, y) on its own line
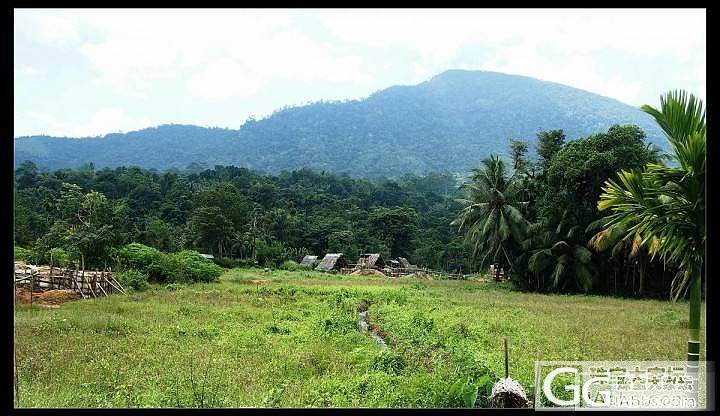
point(59, 257)
point(22, 254)
point(492, 212)
point(290, 265)
point(183, 267)
point(549, 144)
point(663, 207)
point(138, 256)
point(518, 154)
point(132, 278)
point(563, 195)
point(239, 216)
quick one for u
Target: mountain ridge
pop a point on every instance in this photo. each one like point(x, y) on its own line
point(447, 123)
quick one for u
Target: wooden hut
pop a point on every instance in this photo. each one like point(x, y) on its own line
point(405, 264)
point(332, 261)
point(308, 261)
point(371, 261)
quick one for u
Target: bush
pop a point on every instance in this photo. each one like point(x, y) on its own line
point(22, 254)
point(197, 268)
point(290, 265)
point(390, 362)
point(185, 266)
point(59, 257)
point(138, 256)
point(135, 279)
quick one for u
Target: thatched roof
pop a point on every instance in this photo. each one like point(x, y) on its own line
point(371, 260)
point(404, 262)
point(308, 260)
point(332, 261)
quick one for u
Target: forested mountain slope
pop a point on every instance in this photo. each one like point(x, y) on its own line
point(448, 123)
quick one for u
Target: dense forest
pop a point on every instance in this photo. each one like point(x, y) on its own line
point(547, 214)
point(444, 124)
point(235, 213)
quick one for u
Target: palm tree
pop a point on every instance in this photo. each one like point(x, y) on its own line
point(563, 253)
point(492, 211)
point(663, 207)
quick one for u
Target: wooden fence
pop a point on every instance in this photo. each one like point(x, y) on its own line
point(88, 284)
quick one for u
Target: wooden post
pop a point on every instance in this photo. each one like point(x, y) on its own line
point(506, 357)
point(32, 287)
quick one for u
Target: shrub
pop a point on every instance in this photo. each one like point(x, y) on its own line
point(185, 266)
point(135, 279)
point(22, 254)
point(166, 268)
point(389, 361)
point(138, 256)
point(197, 268)
point(59, 257)
point(290, 265)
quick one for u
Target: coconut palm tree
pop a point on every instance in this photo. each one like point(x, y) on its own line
point(662, 207)
point(492, 211)
point(563, 253)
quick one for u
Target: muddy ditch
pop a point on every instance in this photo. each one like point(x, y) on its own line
point(365, 326)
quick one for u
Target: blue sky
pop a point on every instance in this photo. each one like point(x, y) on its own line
point(90, 72)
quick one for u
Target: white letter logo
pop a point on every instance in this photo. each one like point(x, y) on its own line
point(603, 393)
point(548, 391)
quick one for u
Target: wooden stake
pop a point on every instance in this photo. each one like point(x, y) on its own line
point(32, 287)
point(506, 357)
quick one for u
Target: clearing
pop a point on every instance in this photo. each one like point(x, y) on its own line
point(291, 339)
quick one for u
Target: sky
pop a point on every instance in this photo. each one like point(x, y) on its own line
point(88, 72)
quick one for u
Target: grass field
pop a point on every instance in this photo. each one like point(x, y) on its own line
point(293, 341)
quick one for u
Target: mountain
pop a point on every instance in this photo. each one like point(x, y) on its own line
point(450, 122)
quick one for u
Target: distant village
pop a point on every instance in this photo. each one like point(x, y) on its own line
point(372, 264)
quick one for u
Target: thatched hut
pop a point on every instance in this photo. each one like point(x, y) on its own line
point(405, 264)
point(371, 261)
point(332, 261)
point(308, 261)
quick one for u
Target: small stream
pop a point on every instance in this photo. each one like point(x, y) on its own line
point(362, 323)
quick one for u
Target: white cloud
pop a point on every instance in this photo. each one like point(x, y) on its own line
point(222, 79)
point(46, 26)
point(31, 70)
point(569, 39)
point(215, 56)
point(103, 121)
point(133, 50)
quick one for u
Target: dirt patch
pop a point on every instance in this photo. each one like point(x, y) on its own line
point(258, 281)
point(368, 272)
point(48, 297)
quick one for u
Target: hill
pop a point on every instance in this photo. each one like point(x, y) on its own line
point(447, 123)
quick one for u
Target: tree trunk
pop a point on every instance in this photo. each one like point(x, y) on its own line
point(642, 277)
point(693, 354)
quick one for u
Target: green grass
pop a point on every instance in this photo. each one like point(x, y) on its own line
point(293, 341)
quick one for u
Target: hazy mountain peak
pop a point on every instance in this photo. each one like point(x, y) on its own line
point(449, 122)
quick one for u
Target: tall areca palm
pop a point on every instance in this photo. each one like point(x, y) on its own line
point(492, 211)
point(663, 207)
